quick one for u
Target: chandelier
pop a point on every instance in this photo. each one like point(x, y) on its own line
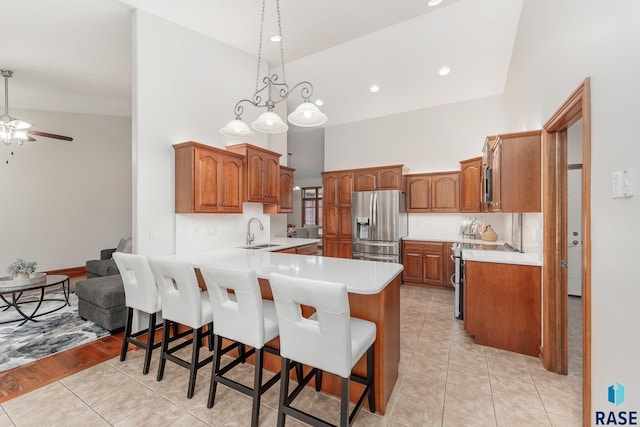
point(12, 131)
point(306, 115)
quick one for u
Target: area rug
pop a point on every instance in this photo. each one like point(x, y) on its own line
point(52, 333)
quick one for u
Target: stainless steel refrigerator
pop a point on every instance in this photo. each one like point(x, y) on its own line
point(379, 222)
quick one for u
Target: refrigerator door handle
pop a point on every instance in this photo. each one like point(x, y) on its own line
point(374, 210)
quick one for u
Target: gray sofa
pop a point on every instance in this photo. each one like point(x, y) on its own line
point(105, 266)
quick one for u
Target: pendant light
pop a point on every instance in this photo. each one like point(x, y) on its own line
point(306, 115)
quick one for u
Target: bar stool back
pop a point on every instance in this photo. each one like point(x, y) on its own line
point(244, 317)
point(140, 293)
point(330, 340)
point(183, 303)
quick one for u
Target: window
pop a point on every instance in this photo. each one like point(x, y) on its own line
point(312, 206)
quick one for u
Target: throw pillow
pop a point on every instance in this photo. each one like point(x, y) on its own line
point(125, 245)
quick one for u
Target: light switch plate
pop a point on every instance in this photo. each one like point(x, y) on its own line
point(623, 183)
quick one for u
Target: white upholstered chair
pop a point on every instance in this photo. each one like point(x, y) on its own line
point(183, 302)
point(140, 293)
point(244, 317)
point(330, 340)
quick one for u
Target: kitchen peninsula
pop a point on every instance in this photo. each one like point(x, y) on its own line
point(374, 294)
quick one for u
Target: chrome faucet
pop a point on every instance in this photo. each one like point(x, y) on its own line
point(251, 237)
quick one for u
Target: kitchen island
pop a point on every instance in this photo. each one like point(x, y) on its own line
point(374, 294)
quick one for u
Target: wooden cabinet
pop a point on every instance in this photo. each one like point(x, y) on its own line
point(502, 305)
point(310, 249)
point(336, 211)
point(433, 192)
point(515, 164)
point(285, 199)
point(426, 262)
point(471, 185)
point(381, 178)
point(207, 179)
point(262, 172)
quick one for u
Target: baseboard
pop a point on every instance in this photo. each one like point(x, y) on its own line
point(71, 272)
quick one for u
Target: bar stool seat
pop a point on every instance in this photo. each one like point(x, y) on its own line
point(183, 303)
point(330, 340)
point(244, 317)
point(141, 293)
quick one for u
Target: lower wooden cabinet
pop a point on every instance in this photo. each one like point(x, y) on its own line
point(502, 305)
point(426, 262)
point(337, 248)
point(310, 249)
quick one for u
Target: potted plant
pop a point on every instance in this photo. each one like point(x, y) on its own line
point(22, 269)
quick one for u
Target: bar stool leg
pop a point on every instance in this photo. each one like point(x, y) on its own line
point(127, 334)
point(217, 356)
point(151, 332)
point(284, 390)
point(165, 346)
point(344, 403)
point(195, 355)
point(370, 380)
point(257, 385)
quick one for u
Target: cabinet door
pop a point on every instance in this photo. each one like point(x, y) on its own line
point(496, 177)
point(520, 172)
point(255, 176)
point(366, 180)
point(206, 169)
point(418, 193)
point(330, 247)
point(330, 190)
point(270, 179)
point(445, 196)
point(286, 191)
point(449, 264)
point(346, 249)
point(344, 215)
point(412, 262)
point(331, 221)
point(345, 188)
point(390, 179)
point(471, 185)
point(231, 184)
point(432, 264)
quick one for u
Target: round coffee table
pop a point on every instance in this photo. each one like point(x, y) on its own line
point(16, 296)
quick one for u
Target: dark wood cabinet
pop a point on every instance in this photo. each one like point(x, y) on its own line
point(207, 179)
point(262, 171)
point(380, 178)
point(515, 163)
point(502, 305)
point(433, 192)
point(285, 198)
point(471, 185)
point(336, 211)
point(425, 262)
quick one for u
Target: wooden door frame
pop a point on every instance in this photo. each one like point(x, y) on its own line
point(554, 349)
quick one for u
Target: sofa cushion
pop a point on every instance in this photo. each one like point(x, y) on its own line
point(125, 245)
point(101, 267)
point(106, 292)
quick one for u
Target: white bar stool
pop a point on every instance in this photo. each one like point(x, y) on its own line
point(331, 340)
point(183, 303)
point(141, 293)
point(244, 317)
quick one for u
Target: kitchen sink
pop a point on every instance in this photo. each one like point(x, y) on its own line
point(262, 246)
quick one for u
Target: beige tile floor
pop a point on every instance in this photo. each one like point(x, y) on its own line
point(445, 380)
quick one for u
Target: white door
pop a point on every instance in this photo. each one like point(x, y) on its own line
point(574, 206)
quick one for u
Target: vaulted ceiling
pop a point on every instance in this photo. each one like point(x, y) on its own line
point(75, 55)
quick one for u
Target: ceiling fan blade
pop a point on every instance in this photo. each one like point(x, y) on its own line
point(50, 135)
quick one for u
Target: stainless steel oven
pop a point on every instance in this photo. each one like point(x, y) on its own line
point(457, 280)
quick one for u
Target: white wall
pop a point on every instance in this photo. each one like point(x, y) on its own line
point(185, 88)
point(558, 45)
point(64, 201)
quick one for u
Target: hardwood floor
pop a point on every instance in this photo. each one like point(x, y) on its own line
point(26, 378)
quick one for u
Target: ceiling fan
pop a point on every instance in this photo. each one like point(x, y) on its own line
point(16, 131)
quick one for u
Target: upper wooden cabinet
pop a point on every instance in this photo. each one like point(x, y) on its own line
point(381, 178)
point(433, 192)
point(471, 185)
point(207, 179)
point(263, 173)
point(285, 200)
point(515, 165)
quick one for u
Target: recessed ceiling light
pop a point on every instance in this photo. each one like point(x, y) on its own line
point(444, 71)
point(319, 102)
point(374, 88)
point(434, 2)
point(276, 38)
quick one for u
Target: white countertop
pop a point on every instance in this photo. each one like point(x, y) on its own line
point(504, 257)
point(284, 243)
point(361, 277)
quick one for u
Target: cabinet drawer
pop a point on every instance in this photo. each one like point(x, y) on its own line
point(307, 249)
point(423, 246)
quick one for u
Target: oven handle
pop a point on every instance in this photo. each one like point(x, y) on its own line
point(453, 279)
